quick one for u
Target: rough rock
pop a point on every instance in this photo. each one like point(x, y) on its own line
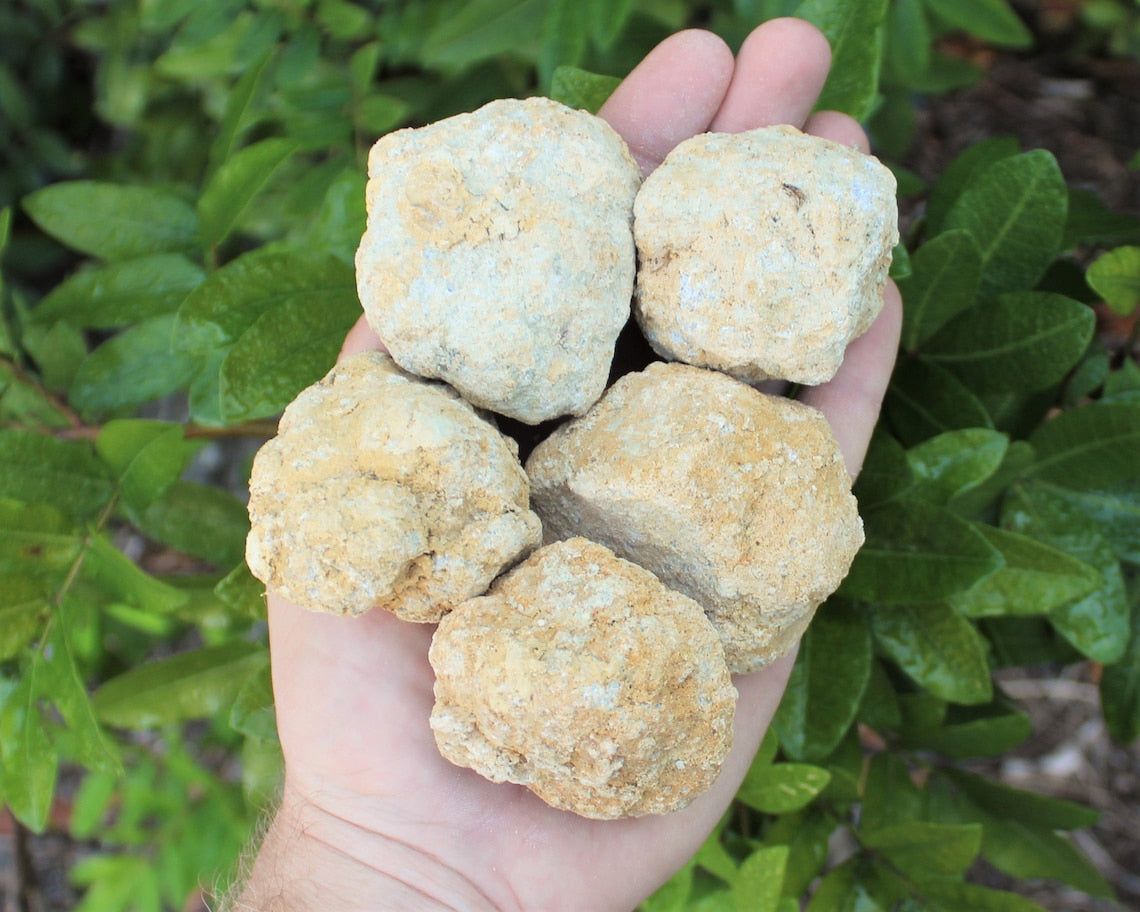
point(763, 254)
point(583, 678)
point(383, 490)
point(738, 499)
point(498, 254)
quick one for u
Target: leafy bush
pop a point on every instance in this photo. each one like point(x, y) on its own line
point(199, 265)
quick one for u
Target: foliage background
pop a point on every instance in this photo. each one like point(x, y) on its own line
point(182, 193)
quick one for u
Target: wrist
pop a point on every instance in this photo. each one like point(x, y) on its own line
point(310, 859)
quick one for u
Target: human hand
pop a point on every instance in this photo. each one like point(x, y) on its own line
point(371, 816)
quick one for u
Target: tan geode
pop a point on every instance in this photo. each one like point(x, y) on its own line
point(499, 254)
point(383, 490)
point(736, 498)
point(583, 678)
point(763, 254)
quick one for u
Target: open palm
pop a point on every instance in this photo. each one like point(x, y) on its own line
point(372, 816)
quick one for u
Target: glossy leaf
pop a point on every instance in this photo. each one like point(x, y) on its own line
point(136, 366)
point(117, 294)
point(826, 685)
point(63, 473)
point(917, 552)
point(927, 852)
point(114, 221)
point(190, 685)
point(955, 462)
point(760, 880)
point(853, 28)
point(1022, 342)
point(890, 797)
point(1115, 276)
point(1015, 210)
point(937, 648)
point(925, 399)
point(236, 184)
point(1090, 447)
point(945, 275)
point(783, 787)
point(582, 89)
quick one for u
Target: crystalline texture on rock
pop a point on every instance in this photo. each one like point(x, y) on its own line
point(763, 254)
point(499, 256)
point(738, 499)
point(582, 677)
point(383, 490)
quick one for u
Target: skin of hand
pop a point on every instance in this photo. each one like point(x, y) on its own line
point(371, 817)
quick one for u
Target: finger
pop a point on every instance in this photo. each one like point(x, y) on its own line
point(360, 338)
point(840, 128)
point(780, 71)
point(852, 398)
point(671, 95)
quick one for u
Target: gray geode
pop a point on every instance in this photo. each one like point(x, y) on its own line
point(763, 254)
point(499, 254)
point(382, 490)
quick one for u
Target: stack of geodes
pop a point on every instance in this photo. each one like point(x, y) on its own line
point(691, 523)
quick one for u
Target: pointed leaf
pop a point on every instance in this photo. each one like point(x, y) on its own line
point(1015, 210)
point(965, 897)
point(955, 462)
point(241, 108)
point(114, 221)
point(853, 28)
point(1120, 687)
point(961, 172)
point(23, 611)
point(826, 685)
point(782, 787)
point(927, 851)
point(1035, 579)
point(991, 20)
point(886, 474)
point(198, 519)
point(146, 456)
point(110, 295)
point(28, 762)
point(760, 880)
point(112, 572)
point(917, 552)
point(482, 29)
point(1090, 447)
point(1022, 341)
point(188, 686)
point(937, 648)
point(582, 89)
point(925, 399)
point(237, 182)
point(1032, 808)
point(65, 474)
point(967, 732)
point(945, 275)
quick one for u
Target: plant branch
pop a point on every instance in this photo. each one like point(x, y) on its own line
point(20, 375)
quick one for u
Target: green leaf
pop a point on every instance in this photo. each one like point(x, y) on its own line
point(1032, 808)
point(880, 706)
point(198, 519)
point(927, 852)
point(1091, 447)
point(242, 108)
point(607, 19)
point(147, 457)
point(236, 184)
point(28, 762)
point(886, 474)
point(760, 880)
point(286, 349)
point(945, 274)
point(806, 834)
point(377, 114)
point(252, 713)
point(826, 685)
point(839, 892)
point(1097, 624)
point(964, 897)
point(917, 552)
point(960, 173)
point(993, 21)
point(582, 89)
point(36, 539)
point(136, 366)
point(1015, 210)
point(339, 221)
point(57, 351)
point(907, 42)
point(112, 572)
point(925, 399)
point(23, 611)
point(111, 295)
point(1120, 685)
point(1115, 276)
point(955, 462)
point(564, 34)
point(853, 28)
point(255, 286)
point(1035, 579)
point(937, 648)
point(114, 221)
point(968, 732)
point(1021, 341)
point(190, 685)
point(66, 474)
point(1092, 223)
point(241, 592)
point(482, 29)
point(783, 787)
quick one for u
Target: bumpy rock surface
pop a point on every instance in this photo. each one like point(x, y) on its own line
point(763, 254)
point(738, 499)
point(383, 490)
point(583, 678)
point(499, 253)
